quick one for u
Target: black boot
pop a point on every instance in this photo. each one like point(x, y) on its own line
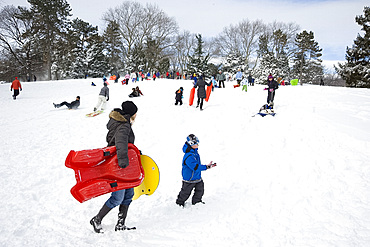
point(121, 218)
point(96, 221)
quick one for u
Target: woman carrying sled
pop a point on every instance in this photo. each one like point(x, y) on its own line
point(119, 134)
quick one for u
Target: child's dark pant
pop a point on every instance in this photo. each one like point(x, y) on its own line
point(270, 96)
point(186, 190)
point(221, 82)
point(65, 103)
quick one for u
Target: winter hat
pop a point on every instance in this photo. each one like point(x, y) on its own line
point(78, 97)
point(192, 140)
point(270, 76)
point(129, 107)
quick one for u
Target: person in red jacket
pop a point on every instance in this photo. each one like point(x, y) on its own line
point(16, 85)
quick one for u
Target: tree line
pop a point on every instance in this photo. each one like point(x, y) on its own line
point(44, 40)
point(356, 70)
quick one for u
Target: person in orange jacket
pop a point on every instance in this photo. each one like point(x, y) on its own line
point(16, 85)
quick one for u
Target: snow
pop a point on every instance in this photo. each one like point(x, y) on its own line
point(301, 178)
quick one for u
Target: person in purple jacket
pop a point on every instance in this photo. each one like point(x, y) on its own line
point(272, 85)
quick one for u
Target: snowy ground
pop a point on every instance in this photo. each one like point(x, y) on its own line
point(301, 178)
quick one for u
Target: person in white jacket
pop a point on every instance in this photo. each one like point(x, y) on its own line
point(239, 76)
point(133, 76)
point(103, 98)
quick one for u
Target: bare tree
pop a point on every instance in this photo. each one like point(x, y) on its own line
point(240, 39)
point(128, 17)
point(139, 25)
point(289, 30)
point(182, 49)
point(10, 31)
point(249, 34)
point(158, 26)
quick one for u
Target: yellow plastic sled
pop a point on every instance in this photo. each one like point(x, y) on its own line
point(151, 178)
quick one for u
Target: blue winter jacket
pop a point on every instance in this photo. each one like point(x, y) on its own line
point(191, 166)
point(239, 75)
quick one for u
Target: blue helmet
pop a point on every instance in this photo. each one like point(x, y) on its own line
point(192, 140)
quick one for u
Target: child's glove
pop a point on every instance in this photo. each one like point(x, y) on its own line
point(210, 165)
point(265, 88)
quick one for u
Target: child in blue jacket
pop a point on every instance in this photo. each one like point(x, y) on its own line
point(191, 172)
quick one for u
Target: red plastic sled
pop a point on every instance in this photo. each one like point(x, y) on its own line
point(97, 171)
point(208, 92)
point(191, 99)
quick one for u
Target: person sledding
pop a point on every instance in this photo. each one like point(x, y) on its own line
point(139, 91)
point(136, 92)
point(71, 106)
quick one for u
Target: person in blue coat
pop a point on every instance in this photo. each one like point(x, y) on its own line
point(191, 172)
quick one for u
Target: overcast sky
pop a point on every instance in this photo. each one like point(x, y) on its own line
point(332, 21)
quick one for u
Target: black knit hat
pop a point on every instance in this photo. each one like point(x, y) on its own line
point(129, 107)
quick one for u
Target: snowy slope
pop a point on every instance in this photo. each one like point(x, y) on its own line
point(301, 178)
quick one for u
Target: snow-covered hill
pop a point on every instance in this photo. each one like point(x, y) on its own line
point(301, 178)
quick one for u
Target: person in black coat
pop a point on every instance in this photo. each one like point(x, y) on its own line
point(119, 134)
point(73, 105)
point(201, 85)
point(272, 85)
point(179, 96)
